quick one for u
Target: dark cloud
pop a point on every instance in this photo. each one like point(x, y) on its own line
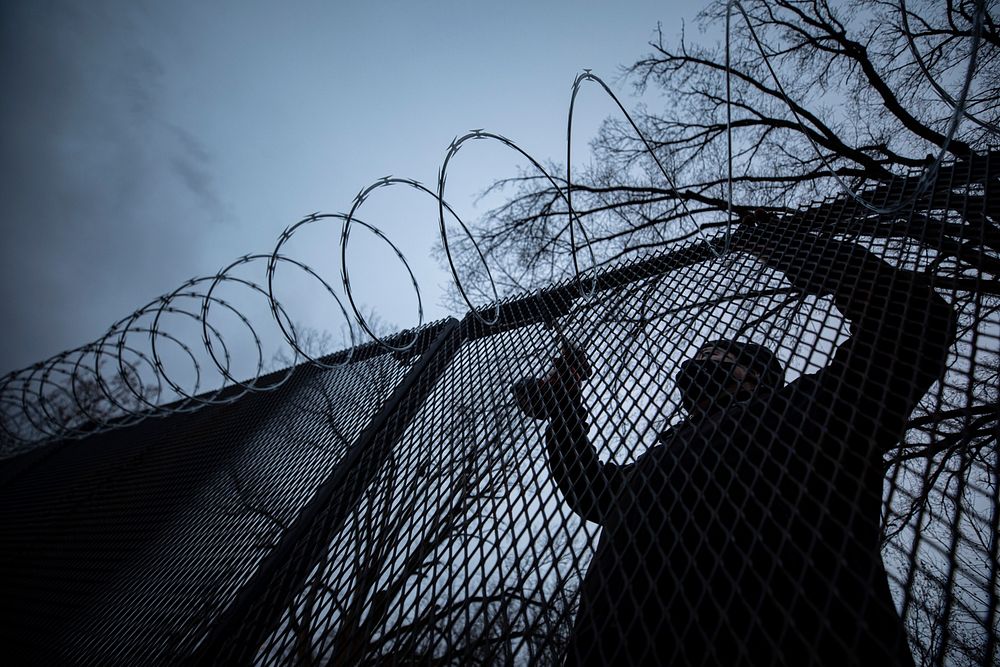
point(192, 165)
point(95, 181)
point(124, 120)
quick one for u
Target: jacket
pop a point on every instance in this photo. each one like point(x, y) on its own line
point(751, 535)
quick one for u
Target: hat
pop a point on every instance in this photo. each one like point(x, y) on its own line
point(755, 357)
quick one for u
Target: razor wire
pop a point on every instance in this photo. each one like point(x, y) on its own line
point(36, 406)
point(373, 511)
point(360, 510)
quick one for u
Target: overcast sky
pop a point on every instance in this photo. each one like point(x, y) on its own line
point(147, 143)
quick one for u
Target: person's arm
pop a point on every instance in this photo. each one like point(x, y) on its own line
point(588, 486)
point(901, 328)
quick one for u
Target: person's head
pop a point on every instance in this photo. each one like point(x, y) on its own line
point(724, 372)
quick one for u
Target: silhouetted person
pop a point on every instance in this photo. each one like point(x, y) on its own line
point(750, 533)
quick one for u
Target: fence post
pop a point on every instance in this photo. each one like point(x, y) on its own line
point(282, 573)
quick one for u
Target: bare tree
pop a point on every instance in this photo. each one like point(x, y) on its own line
point(856, 97)
point(357, 606)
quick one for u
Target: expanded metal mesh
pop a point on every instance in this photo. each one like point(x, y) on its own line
point(124, 547)
point(540, 491)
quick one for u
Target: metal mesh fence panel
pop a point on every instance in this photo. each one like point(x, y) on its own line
point(122, 548)
point(781, 454)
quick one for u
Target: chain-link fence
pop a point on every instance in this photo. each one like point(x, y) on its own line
point(781, 453)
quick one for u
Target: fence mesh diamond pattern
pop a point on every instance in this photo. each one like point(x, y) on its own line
point(785, 453)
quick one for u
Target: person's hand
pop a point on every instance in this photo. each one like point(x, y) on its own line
point(571, 365)
point(757, 232)
point(784, 244)
point(815, 263)
point(544, 397)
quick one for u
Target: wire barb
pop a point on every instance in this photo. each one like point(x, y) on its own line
point(126, 366)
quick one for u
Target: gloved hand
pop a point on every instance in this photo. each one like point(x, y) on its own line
point(559, 389)
point(813, 263)
point(759, 232)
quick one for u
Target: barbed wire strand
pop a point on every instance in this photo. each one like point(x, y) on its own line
point(38, 406)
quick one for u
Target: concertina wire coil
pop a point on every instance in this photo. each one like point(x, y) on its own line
point(462, 532)
point(116, 380)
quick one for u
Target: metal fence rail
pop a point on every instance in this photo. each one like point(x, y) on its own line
point(408, 511)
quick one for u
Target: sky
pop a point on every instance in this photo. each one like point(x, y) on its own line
point(146, 143)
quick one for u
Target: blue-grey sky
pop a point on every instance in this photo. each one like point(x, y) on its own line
point(145, 143)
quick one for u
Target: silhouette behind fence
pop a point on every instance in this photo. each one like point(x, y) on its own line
point(471, 501)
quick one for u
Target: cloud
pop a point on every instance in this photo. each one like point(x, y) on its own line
point(192, 164)
point(99, 188)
